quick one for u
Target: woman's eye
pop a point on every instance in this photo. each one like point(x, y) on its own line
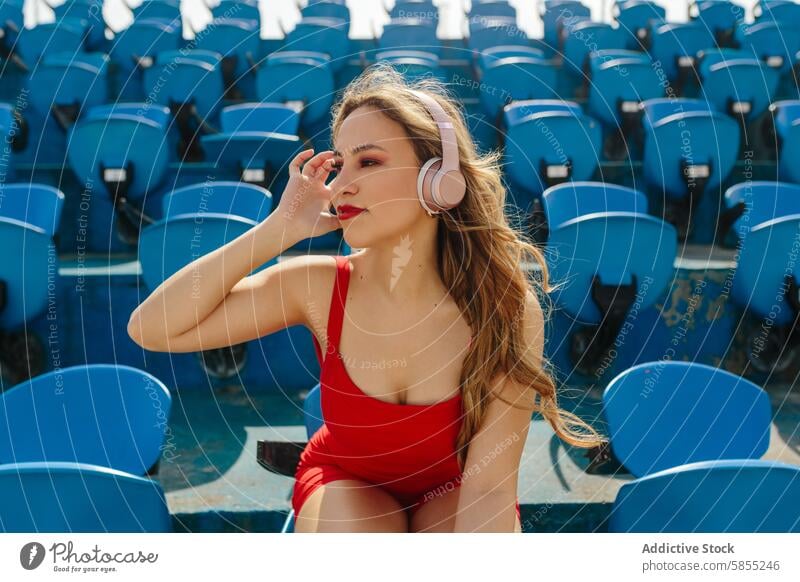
point(336, 167)
point(368, 162)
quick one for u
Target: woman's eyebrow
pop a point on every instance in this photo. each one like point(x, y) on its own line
point(361, 148)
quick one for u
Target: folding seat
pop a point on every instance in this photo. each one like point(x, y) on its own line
point(327, 9)
point(413, 64)
point(514, 79)
point(239, 43)
point(786, 123)
point(674, 46)
point(422, 9)
point(620, 81)
point(136, 47)
point(121, 151)
point(740, 496)
point(492, 9)
point(323, 35)
point(91, 13)
point(33, 44)
point(495, 53)
point(257, 141)
point(775, 43)
point(664, 414)
point(410, 33)
point(190, 84)
point(301, 79)
point(735, 82)
point(78, 497)
point(778, 10)
point(107, 415)
point(238, 9)
point(584, 37)
point(489, 32)
point(688, 150)
point(29, 218)
point(766, 284)
point(719, 17)
point(548, 142)
point(197, 220)
point(634, 16)
point(602, 247)
point(558, 13)
point(164, 9)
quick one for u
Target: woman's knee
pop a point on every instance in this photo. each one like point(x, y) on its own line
point(351, 506)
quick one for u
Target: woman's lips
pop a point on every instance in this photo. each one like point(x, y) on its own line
point(347, 212)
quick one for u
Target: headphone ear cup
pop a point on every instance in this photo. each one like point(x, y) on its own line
point(425, 185)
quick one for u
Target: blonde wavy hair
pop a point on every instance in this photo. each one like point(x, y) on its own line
point(480, 256)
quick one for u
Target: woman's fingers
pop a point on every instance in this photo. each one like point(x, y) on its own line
point(324, 170)
point(311, 167)
point(294, 166)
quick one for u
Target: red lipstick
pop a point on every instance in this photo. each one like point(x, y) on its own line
point(345, 211)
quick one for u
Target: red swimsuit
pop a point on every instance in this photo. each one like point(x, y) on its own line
point(407, 449)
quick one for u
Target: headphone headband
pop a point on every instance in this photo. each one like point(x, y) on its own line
point(447, 132)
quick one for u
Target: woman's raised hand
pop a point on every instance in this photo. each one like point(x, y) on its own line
point(306, 201)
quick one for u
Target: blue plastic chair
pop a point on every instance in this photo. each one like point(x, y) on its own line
point(583, 37)
point(492, 54)
point(50, 38)
point(328, 9)
point(239, 42)
point(555, 14)
point(661, 107)
point(786, 116)
point(566, 202)
point(521, 78)
point(775, 43)
point(303, 78)
point(720, 17)
point(241, 9)
point(137, 46)
point(492, 9)
point(410, 33)
point(108, 415)
point(665, 414)
point(675, 46)
point(413, 65)
point(91, 13)
point(488, 32)
point(75, 497)
point(635, 16)
point(759, 202)
point(777, 10)
point(164, 9)
point(29, 217)
point(545, 146)
point(323, 35)
point(424, 9)
point(735, 82)
point(221, 211)
point(743, 496)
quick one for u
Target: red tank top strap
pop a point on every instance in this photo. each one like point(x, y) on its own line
point(338, 299)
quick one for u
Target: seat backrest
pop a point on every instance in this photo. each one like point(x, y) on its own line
point(272, 117)
point(36, 204)
point(79, 498)
point(673, 40)
point(743, 496)
point(234, 198)
point(664, 414)
point(565, 202)
point(785, 113)
point(107, 415)
point(763, 201)
point(516, 111)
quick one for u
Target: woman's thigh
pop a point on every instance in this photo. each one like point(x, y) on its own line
point(438, 515)
point(349, 505)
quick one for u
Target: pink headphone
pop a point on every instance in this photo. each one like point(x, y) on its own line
point(440, 184)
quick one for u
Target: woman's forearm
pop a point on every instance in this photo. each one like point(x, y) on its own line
point(489, 512)
point(187, 297)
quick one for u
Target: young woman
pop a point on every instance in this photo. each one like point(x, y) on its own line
point(430, 336)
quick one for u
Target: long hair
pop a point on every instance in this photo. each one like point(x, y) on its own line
point(480, 257)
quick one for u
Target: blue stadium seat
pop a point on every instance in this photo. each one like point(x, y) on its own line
point(66, 36)
point(424, 9)
point(327, 9)
point(414, 65)
point(620, 81)
point(778, 10)
point(239, 9)
point(674, 46)
point(558, 13)
point(164, 9)
point(303, 79)
point(583, 37)
point(107, 415)
point(786, 122)
point(257, 141)
point(775, 43)
point(123, 149)
point(322, 35)
point(736, 83)
point(488, 32)
point(685, 155)
point(759, 202)
point(495, 53)
point(29, 218)
point(664, 414)
point(719, 17)
point(549, 144)
point(91, 12)
point(492, 9)
point(602, 248)
point(136, 47)
point(410, 33)
point(635, 16)
point(744, 496)
point(239, 43)
point(74, 498)
point(661, 107)
point(221, 210)
point(517, 78)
